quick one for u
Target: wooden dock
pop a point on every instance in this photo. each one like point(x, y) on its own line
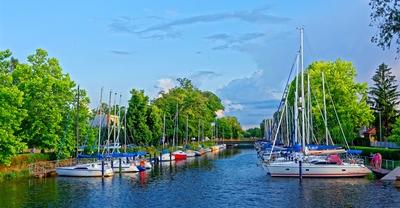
point(391, 176)
point(48, 168)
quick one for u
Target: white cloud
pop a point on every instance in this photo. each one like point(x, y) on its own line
point(165, 84)
point(220, 113)
point(230, 106)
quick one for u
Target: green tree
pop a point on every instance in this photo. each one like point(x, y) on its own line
point(385, 16)
point(395, 136)
point(198, 107)
point(343, 95)
point(252, 133)
point(136, 118)
point(47, 97)
point(384, 97)
point(229, 127)
point(154, 121)
point(11, 112)
point(73, 120)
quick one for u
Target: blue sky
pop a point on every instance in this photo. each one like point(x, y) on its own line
point(241, 50)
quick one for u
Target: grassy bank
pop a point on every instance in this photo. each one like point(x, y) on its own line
point(20, 165)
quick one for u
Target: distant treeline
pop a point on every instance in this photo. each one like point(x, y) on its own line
point(38, 109)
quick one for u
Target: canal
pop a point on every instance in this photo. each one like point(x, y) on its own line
point(231, 178)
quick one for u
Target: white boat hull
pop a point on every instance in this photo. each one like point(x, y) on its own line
point(166, 157)
point(85, 170)
point(125, 167)
point(291, 169)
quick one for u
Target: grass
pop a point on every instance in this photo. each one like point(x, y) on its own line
point(20, 165)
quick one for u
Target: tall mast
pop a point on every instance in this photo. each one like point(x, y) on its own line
point(308, 108)
point(100, 119)
point(325, 117)
point(114, 123)
point(302, 89)
point(126, 110)
point(163, 137)
point(198, 133)
point(108, 123)
point(186, 132)
point(296, 105)
point(287, 121)
point(77, 123)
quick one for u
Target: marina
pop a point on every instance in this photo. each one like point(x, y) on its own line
point(208, 181)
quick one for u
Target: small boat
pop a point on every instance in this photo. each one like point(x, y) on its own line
point(166, 157)
point(215, 148)
point(85, 170)
point(190, 153)
point(147, 164)
point(199, 152)
point(207, 150)
point(179, 155)
point(126, 167)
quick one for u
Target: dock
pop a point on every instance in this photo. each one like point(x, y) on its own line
point(391, 176)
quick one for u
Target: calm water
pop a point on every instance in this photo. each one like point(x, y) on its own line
point(229, 179)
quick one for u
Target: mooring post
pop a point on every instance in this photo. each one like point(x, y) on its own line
point(112, 163)
point(102, 168)
point(300, 169)
point(120, 166)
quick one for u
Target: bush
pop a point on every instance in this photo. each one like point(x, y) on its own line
point(391, 154)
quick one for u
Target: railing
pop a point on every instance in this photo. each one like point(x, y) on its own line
point(386, 164)
point(391, 145)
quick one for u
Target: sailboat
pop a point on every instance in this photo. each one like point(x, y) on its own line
point(96, 169)
point(179, 154)
point(304, 163)
point(165, 154)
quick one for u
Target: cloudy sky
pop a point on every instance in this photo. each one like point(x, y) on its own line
point(241, 50)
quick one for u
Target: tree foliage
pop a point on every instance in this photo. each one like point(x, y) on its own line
point(229, 127)
point(385, 16)
point(253, 133)
point(384, 97)
point(395, 136)
point(137, 117)
point(187, 102)
point(11, 112)
point(343, 95)
point(47, 97)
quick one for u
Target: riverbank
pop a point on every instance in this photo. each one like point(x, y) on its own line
point(19, 167)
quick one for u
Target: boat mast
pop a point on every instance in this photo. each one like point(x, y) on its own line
point(186, 132)
point(108, 123)
point(126, 110)
point(77, 123)
point(163, 137)
point(100, 119)
point(308, 109)
point(302, 89)
point(296, 105)
point(114, 122)
point(326, 118)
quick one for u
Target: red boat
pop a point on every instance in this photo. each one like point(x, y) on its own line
point(179, 155)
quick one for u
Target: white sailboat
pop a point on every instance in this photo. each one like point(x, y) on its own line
point(304, 163)
point(86, 170)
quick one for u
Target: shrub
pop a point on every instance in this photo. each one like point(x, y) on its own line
point(392, 154)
